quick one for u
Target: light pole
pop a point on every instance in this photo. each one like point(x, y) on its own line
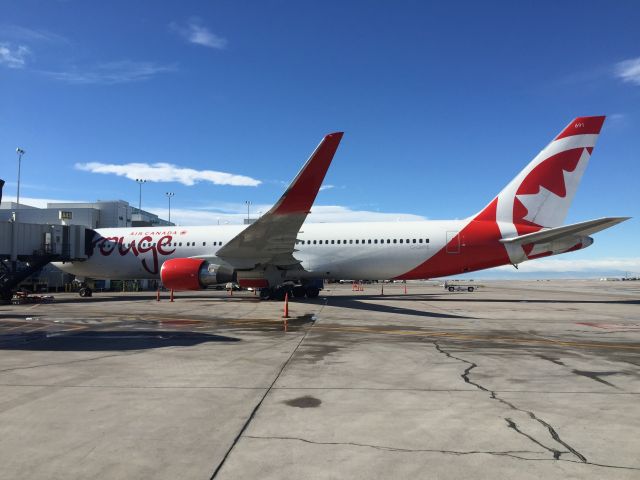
point(20, 152)
point(169, 195)
point(248, 204)
point(140, 181)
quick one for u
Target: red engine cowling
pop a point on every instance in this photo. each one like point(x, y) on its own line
point(193, 274)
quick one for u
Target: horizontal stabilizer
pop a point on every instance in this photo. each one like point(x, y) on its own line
point(577, 229)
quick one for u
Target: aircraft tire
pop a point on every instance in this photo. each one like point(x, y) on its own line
point(470, 289)
point(451, 289)
point(312, 292)
point(299, 292)
point(85, 292)
point(266, 293)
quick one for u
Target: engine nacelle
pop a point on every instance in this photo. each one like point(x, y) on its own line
point(193, 274)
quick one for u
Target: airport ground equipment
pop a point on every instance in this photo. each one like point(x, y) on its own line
point(460, 286)
point(25, 248)
point(21, 298)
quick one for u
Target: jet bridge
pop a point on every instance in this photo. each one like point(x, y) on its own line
point(26, 247)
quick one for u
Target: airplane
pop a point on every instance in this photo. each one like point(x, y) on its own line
point(281, 253)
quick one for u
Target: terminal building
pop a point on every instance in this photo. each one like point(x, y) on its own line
point(100, 214)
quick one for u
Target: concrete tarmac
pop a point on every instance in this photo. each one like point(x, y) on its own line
point(515, 380)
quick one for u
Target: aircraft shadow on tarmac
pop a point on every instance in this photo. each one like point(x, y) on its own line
point(357, 303)
point(464, 297)
point(97, 298)
point(106, 340)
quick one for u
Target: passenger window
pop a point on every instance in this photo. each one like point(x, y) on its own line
point(419, 240)
point(338, 242)
point(180, 244)
point(427, 240)
point(350, 242)
point(395, 241)
point(204, 244)
point(414, 240)
point(375, 241)
point(333, 242)
point(401, 240)
point(369, 241)
point(357, 241)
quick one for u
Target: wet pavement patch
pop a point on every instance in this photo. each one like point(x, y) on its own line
point(106, 340)
point(304, 402)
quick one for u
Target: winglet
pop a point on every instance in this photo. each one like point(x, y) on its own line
point(303, 190)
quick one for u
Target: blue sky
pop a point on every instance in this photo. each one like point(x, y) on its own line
point(442, 103)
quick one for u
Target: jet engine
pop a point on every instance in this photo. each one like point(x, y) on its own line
point(193, 274)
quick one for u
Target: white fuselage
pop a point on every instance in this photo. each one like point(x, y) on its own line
point(380, 250)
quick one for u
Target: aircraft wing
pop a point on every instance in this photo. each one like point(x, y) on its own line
point(271, 239)
point(577, 229)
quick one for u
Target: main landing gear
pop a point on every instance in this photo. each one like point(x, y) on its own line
point(298, 291)
point(85, 292)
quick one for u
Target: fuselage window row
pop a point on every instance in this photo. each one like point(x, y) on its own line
point(358, 241)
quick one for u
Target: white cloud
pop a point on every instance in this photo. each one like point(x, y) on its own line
point(13, 57)
point(631, 264)
point(629, 70)
point(236, 213)
point(166, 172)
point(34, 202)
point(196, 33)
point(336, 213)
point(327, 187)
point(110, 73)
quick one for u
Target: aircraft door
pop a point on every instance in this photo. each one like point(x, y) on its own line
point(453, 242)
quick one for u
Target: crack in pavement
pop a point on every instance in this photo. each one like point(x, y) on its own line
point(514, 426)
point(498, 453)
point(507, 453)
point(268, 390)
point(510, 423)
point(69, 362)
